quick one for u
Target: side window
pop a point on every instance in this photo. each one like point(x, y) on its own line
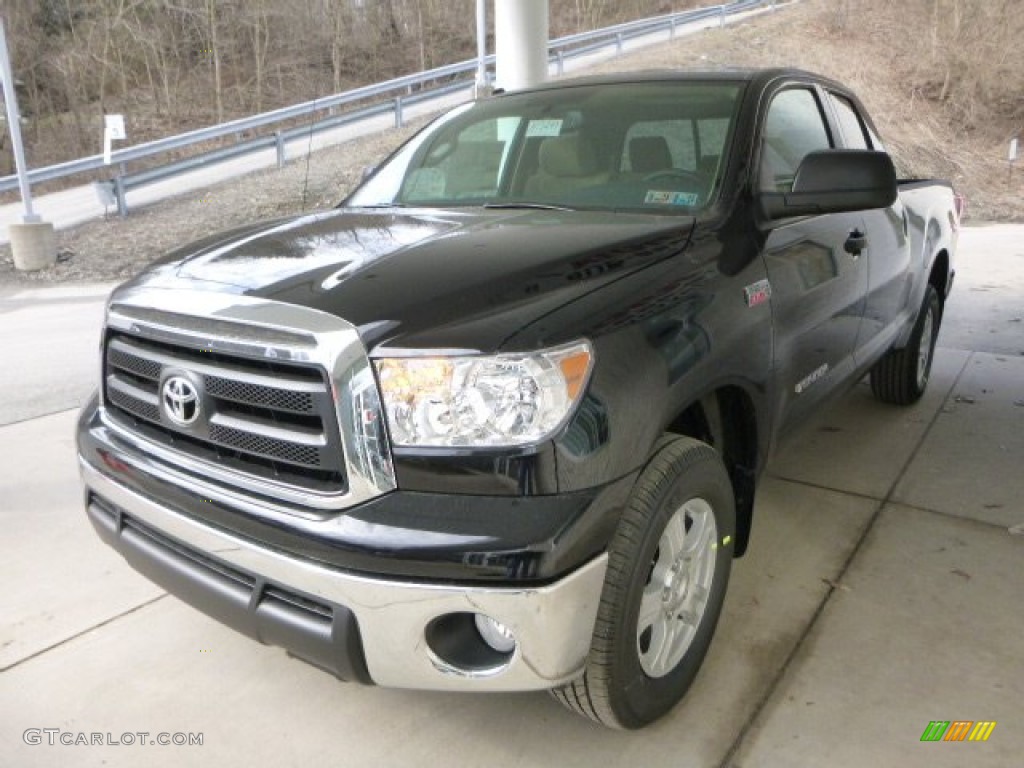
point(793, 128)
point(850, 123)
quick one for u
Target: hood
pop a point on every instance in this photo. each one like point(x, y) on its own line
point(428, 279)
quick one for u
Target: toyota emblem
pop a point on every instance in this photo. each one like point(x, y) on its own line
point(181, 400)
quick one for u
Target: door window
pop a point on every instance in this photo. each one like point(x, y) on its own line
point(793, 128)
point(850, 123)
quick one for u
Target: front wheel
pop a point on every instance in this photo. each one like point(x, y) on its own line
point(901, 376)
point(668, 568)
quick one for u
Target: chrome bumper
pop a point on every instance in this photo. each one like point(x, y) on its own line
point(552, 624)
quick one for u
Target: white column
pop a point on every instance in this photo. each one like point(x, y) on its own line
point(521, 43)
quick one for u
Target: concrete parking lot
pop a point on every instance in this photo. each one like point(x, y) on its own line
point(882, 590)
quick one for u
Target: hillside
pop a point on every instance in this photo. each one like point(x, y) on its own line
point(956, 131)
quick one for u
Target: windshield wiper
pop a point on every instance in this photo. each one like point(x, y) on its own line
point(533, 206)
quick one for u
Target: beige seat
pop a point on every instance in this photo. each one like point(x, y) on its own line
point(566, 164)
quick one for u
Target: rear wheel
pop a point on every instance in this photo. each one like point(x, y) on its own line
point(668, 568)
point(901, 377)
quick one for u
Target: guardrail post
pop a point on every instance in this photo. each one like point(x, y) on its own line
point(398, 111)
point(672, 29)
point(721, 16)
point(122, 203)
point(618, 43)
point(279, 145)
point(560, 58)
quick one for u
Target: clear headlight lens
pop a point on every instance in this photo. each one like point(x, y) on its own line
point(498, 400)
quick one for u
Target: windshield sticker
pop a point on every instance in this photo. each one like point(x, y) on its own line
point(666, 197)
point(544, 128)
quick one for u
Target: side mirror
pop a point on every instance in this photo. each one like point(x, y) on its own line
point(836, 181)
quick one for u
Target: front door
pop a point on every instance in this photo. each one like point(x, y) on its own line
point(817, 284)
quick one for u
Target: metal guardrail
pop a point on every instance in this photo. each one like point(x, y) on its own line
point(392, 94)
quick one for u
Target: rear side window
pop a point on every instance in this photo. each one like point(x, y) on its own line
point(793, 128)
point(850, 123)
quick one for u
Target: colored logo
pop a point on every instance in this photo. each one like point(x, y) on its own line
point(758, 293)
point(958, 730)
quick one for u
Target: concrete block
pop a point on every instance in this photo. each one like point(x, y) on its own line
point(33, 245)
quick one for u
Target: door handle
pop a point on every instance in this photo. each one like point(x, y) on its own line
point(855, 243)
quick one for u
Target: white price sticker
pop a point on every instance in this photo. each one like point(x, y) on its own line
point(544, 128)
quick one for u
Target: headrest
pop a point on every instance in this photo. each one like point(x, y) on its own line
point(567, 156)
point(649, 153)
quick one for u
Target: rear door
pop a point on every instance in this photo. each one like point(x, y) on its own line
point(888, 249)
point(817, 287)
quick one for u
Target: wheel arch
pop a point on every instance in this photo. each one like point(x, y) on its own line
point(940, 275)
point(726, 419)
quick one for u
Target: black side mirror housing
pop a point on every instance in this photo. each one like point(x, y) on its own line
point(836, 181)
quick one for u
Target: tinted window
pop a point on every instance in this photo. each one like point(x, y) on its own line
point(793, 128)
point(849, 123)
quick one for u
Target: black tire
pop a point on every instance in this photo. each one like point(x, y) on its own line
point(614, 689)
point(901, 376)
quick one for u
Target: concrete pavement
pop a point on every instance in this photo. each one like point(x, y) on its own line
point(881, 591)
point(49, 337)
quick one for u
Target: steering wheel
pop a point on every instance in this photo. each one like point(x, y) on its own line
point(676, 173)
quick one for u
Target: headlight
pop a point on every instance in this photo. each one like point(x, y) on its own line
point(498, 400)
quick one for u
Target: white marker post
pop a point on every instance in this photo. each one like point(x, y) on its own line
point(113, 130)
point(1011, 158)
point(33, 242)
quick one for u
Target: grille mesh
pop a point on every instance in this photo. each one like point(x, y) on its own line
point(256, 394)
point(149, 369)
point(265, 446)
point(134, 405)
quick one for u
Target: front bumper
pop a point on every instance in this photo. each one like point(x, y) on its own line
point(394, 633)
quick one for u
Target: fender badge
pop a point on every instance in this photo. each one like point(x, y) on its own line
point(814, 376)
point(758, 293)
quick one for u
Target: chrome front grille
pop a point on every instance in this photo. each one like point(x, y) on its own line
point(289, 418)
point(266, 418)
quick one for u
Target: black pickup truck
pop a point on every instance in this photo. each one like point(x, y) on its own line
point(496, 422)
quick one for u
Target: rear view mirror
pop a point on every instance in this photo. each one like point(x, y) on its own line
point(835, 181)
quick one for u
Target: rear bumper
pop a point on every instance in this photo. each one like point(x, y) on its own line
point(395, 633)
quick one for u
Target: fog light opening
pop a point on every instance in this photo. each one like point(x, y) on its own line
point(469, 644)
point(495, 634)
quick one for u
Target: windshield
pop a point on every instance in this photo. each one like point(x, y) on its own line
point(655, 147)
